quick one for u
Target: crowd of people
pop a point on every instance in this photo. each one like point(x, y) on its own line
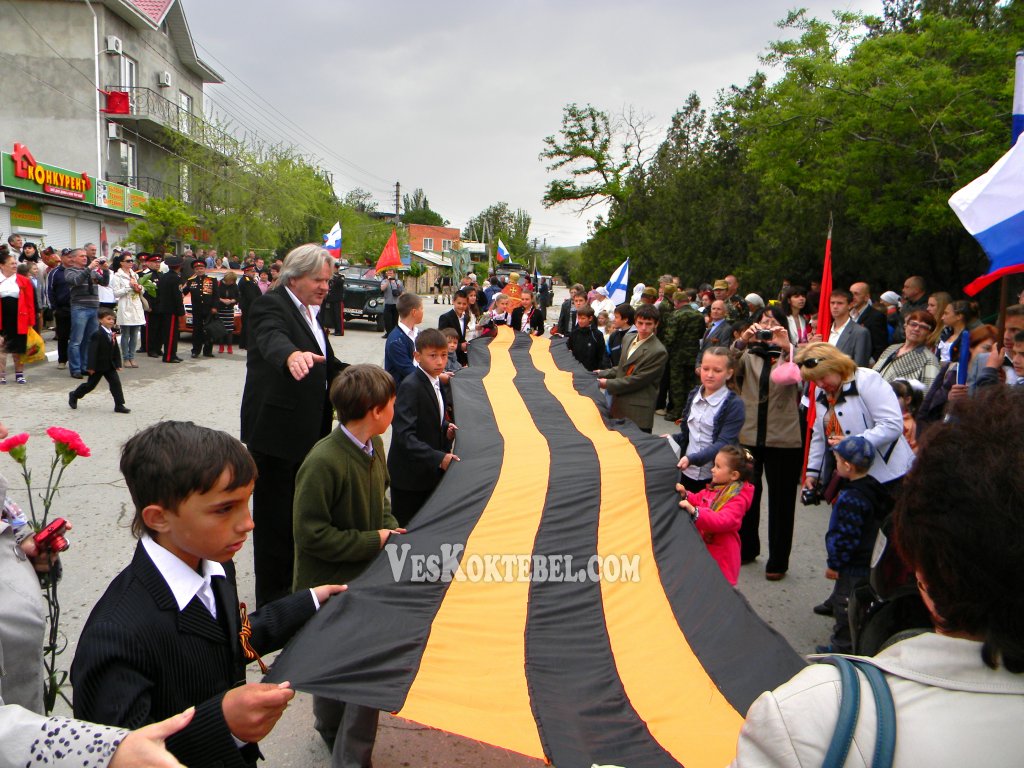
point(742, 376)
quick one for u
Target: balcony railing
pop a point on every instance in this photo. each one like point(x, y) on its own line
point(155, 187)
point(145, 104)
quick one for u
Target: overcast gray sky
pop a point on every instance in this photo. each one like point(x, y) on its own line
point(456, 97)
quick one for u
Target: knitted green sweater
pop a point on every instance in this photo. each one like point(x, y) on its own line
point(339, 506)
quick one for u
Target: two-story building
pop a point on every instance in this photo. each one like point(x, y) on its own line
point(95, 97)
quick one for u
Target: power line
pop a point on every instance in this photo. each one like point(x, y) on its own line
point(46, 42)
point(291, 122)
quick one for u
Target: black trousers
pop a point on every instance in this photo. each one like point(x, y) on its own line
point(200, 335)
point(781, 470)
point(272, 539)
point(405, 504)
point(113, 381)
point(62, 327)
point(350, 727)
point(390, 317)
point(168, 332)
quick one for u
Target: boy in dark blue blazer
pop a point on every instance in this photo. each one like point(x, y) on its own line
point(422, 431)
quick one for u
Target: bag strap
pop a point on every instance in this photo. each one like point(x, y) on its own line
point(885, 735)
point(849, 712)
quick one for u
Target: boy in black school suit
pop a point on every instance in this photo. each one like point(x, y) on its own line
point(422, 432)
point(169, 632)
point(103, 361)
point(586, 342)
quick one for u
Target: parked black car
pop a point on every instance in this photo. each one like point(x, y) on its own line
point(363, 297)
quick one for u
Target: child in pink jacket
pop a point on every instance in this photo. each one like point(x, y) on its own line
point(718, 510)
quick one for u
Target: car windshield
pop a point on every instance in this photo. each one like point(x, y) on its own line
point(359, 273)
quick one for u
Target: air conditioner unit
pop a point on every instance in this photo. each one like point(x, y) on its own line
point(114, 132)
point(164, 79)
point(114, 45)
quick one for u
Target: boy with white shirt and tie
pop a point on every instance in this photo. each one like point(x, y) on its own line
point(103, 361)
point(169, 632)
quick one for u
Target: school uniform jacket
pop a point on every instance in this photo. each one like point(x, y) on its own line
point(104, 354)
point(140, 660)
point(451, 320)
point(398, 354)
point(418, 434)
point(536, 321)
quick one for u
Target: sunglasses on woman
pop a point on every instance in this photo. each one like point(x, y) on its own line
point(811, 362)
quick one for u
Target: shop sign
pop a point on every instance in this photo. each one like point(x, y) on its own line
point(110, 195)
point(136, 199)
point(20, 170)
point(26, 215)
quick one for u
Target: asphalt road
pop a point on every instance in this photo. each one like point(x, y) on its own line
point(208, 391)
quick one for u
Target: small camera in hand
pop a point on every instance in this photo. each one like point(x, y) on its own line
point(51, 538)
point(763, 334)
point(810, 497)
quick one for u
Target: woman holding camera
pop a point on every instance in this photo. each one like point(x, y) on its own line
point(771, 432)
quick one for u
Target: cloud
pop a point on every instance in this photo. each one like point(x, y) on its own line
point(456, 97)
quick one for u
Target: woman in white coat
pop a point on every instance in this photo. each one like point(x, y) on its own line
point(852, 401)
point(131, 314)
point(958, 692)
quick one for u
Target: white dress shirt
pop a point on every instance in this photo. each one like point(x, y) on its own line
point(183, 581)
point(309, 314)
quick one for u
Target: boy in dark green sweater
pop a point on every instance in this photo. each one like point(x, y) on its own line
point(341, 521)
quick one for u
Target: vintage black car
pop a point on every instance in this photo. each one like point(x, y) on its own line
point(363, 297)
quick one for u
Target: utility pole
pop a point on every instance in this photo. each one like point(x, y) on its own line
point(398, 198)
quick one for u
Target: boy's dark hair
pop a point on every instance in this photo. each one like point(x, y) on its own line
point(462, 293)
point(105, 312)
point(166, 463)
point(407, 302)
point(359, 389)
point(740, 460)
point(585, 311)
point(1018, 337)
point(958, 522)
point(841, 293)
point(626, 312)
point(431, 338)
point(450, 333)
point(578, 288)
point(648, 311)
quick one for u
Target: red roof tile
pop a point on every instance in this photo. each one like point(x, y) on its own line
point(154, 9)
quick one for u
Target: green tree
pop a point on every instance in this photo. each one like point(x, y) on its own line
point(416, 210)
point(164, 218)
point(498, 221)
point(361, 200)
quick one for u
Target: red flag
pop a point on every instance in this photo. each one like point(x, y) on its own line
point(823, 326)
point(389, 257)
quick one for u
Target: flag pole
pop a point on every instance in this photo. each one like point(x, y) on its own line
point(824, 314)
point(1016, 127)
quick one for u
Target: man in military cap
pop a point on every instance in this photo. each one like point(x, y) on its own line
point(203, 290)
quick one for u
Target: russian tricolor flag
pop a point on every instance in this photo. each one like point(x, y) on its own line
point(502, 254)
point(991, 208)
point(332, 240)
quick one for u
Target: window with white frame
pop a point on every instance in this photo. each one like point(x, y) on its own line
point(184, 112)
point(446, 245)
point(428, 243)
point(128, 163)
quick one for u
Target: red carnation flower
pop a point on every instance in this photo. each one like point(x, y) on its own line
point(13, 442)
